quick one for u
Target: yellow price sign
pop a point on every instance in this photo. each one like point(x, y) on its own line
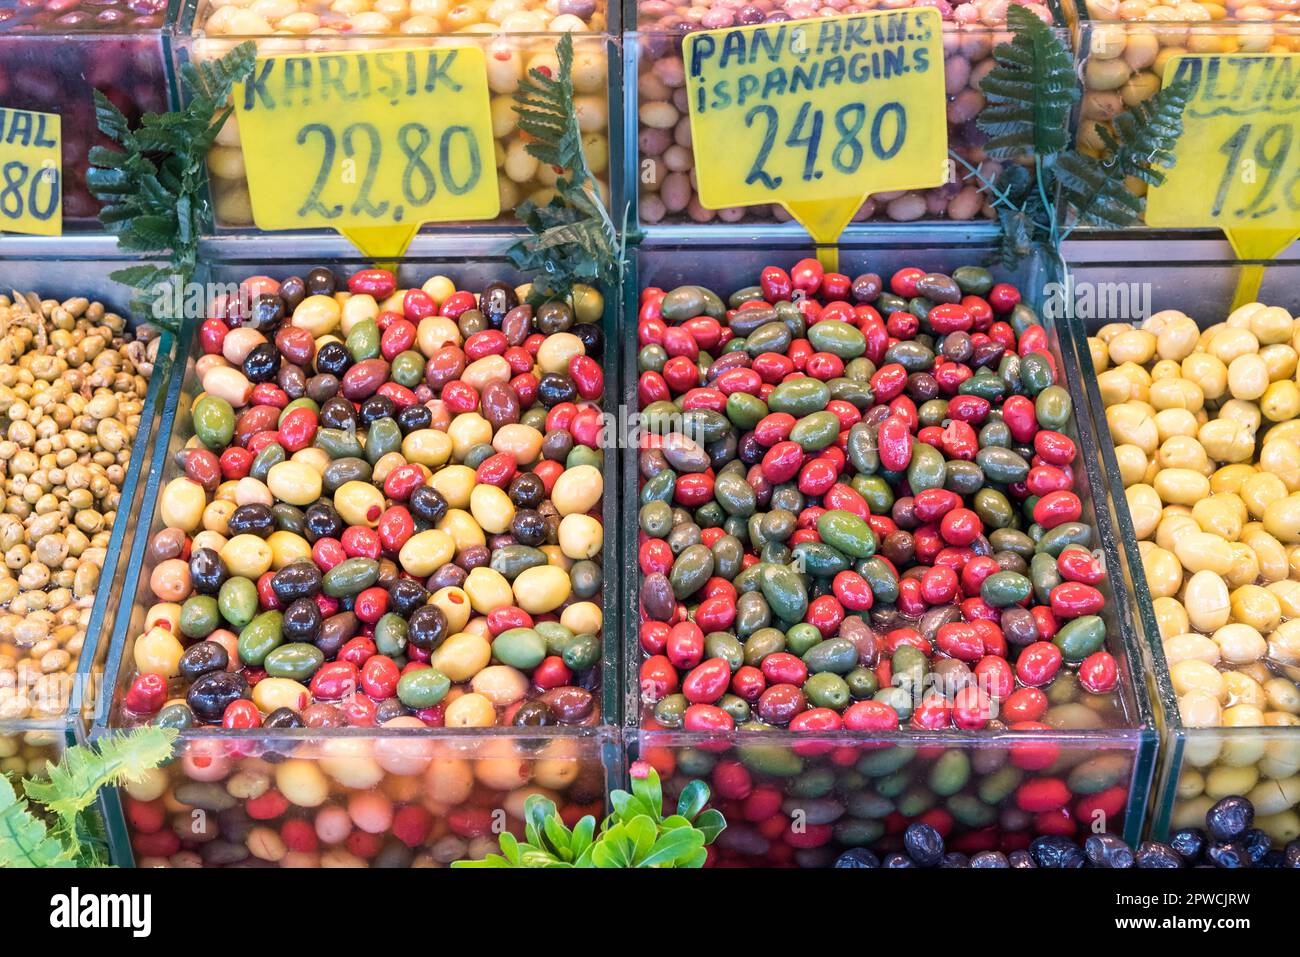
point(373, 143)
point(818, 115)
point(31, 173)
point(1238, 163)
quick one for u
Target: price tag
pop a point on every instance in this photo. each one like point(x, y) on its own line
point(373, 143)
point(31, 173)
point(818, 115)
point(1239, 156)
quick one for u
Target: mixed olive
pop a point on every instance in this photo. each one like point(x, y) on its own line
point(389, 510)
point(862, 513)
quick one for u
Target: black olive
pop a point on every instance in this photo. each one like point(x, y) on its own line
point(302, 620)
point(1230, 818)
point(534, 714)
point(200, 658)
point(268, 313)
point(282, 718)
point(322, 521)
point(555, 388)
point(293, 291)
point(427, 628)
point(495, 301)
point(262, 364)
point(377, 407)
point(335, 631)
point(338, 413)
point(252, 519)
point(334, 358)
point(414, 417)
point(527, 490)
point(592, 337)
point(207, 571)
point(528, 527)
point(427, 503)
point(406, 595)
point(212, 693)
point(322, 282)
point(301, 579)
point(476, 556)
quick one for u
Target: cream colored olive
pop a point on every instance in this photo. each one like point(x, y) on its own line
point(542, 589)
point(1240, 644)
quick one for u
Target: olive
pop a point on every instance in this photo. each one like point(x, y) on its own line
point(267, 312)
point(496, 299)
point(212, 692)
point(592, 338)
point(334, 358)
point(428, 628)
point(428, 504)
point(282, 718)
point(526, 490)
point(406, 595)
point(338, 413)
point(554, 388)
point(535, 714)
point(202, 657)
point(262, 363)
point(252, 519)
point(302, 620)
point(322, 521)
point(556, 445)
point(376, 407)
point(293, 291)
point(553, 317)
point(207, 571)
point(322, 282)
point(413, 418)
point(388, 709)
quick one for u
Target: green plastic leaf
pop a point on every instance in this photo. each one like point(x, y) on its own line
point(1141, 146)
point(1030, 92)
point(74, 783)
point(24, 840)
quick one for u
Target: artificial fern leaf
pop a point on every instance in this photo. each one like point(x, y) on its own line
point(1143, 141)
point(24, 841)
point(74, 782)
point(573, 239)
point(1030, 92)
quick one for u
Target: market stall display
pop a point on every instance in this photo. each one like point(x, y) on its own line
point(516, 36)
point(74, 391)
point(323, 582)
point(869, 576)
point(663, 171)
point(53, 55)
point(1197, 411)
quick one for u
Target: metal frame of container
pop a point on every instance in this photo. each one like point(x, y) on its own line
point(468, 260)
point(1201, 284)
point(186, 33)
point(670, 264)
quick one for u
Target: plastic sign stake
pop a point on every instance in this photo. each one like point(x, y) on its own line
point(817, 115)
point(31, 173)
point(373, 143)
point(1238, 158)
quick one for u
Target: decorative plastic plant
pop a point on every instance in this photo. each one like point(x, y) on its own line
point(1031, 92)
point(573, 239)
point(155, 188)
point(636, 835)
point(73, 838)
